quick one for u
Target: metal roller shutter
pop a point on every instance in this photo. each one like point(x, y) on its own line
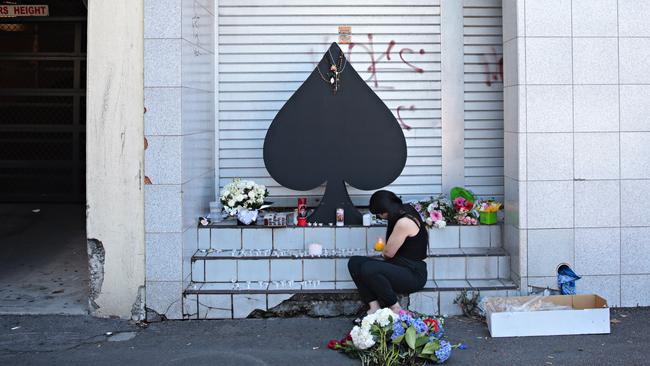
point(268, 48)
point(483, 59)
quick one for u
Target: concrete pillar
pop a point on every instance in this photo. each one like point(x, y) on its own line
point(115, 151)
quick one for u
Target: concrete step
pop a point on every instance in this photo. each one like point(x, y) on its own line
point(296, 265)
point(231, 261)
point(325, 298)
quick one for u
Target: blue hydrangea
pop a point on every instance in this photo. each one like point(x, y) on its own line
point(443, 353)
point(420, 327)
point(398, 330)
point(405, 317)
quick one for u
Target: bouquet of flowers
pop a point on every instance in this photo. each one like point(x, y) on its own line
point(488, 206)
point(435, 212)
point(385, 338)
point(243, 198)
point(465, 212)
point(488, 211)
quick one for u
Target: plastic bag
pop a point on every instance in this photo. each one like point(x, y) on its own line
point(566, 280)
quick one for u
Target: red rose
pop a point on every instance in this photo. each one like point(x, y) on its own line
point(345, 339)
point(333, 344)
point(431, 323)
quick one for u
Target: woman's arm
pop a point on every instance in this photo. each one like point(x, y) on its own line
point(404, 228)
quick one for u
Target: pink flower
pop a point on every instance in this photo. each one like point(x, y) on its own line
point(436, 215)
point(459, 201)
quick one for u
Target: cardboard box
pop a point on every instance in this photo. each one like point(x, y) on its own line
point(588, 314)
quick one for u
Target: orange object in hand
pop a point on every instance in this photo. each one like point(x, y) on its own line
point(379, 244)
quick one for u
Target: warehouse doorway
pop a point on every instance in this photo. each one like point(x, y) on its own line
point(43, 260)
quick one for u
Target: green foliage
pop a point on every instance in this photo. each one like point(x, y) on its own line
point(410, 337)
point(430, 348)
point(415, 346)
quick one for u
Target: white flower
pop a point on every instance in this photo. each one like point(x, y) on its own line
point(431, 207)
point(231, 203)
point(361, 338)
point(251, 194)
point(385, 316)
point(440, 224)
point(367, 321)
point(429, 221)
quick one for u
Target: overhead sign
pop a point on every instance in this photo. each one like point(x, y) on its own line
point(24, 11)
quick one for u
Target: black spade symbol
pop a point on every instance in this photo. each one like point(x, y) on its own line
point(319, 136)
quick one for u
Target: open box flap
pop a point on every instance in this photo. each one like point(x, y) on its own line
point(543, 303)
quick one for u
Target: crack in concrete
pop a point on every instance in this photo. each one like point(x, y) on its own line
point(138, 312)
point(208, 308)
point(96, 259)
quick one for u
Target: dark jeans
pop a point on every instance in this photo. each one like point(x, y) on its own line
point(379, 280)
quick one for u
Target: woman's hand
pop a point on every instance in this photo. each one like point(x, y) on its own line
point(404, 228)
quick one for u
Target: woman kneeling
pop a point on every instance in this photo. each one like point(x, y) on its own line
point(402, 268)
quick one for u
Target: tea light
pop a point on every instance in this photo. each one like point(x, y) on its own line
point(315, 249)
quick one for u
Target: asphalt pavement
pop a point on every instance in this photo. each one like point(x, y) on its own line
point(83, 340)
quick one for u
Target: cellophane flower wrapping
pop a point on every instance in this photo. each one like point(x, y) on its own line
point(438, 212)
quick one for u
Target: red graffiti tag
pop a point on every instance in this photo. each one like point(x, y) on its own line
point(370, 50)
point(490, 59)
point(401, 55)
point(399, 116)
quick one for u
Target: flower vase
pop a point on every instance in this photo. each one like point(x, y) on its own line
point(488, 218)
point(246, 217)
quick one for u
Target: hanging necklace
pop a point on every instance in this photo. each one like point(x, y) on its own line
point(334, 74)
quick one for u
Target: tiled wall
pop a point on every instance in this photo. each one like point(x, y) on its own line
point(577, 123)
point(179, 132)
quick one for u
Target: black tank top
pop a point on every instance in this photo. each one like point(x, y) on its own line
point(414, 247)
